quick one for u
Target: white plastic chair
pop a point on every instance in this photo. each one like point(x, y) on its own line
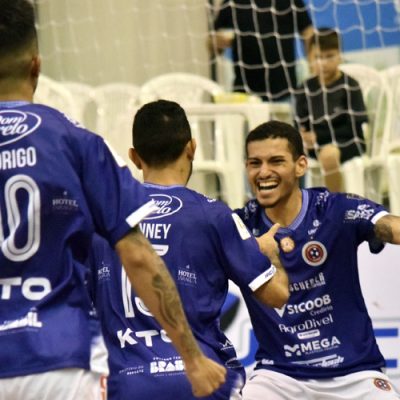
point(208, 128)
point(83, 98)
point(392, 77)
point(370, 169)
point(365, 175)
point(116, 105)
point(184, 88)
point(52, 93)
point(228, 128)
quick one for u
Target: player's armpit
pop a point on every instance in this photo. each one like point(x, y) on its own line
point(387, 229)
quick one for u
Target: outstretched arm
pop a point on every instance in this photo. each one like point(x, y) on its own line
point(275, 292)
point(387, 229)
point(152, 282)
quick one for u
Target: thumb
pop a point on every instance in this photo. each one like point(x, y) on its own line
point(274, 229)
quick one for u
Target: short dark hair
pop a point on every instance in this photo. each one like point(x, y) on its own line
point(17, 36)
point(325, 39)
point(278, 129)
point(160, 132)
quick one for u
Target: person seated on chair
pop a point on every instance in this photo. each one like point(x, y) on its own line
point(330, 110)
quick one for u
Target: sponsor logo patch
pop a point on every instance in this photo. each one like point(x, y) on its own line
point(15, 125)
point(167, 205)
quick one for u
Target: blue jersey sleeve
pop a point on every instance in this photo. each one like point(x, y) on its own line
point(245, 264)
point(364, 214)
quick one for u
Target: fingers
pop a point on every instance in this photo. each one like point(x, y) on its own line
point(274, 229)
point(209, 379)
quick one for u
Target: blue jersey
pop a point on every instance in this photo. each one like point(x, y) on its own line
point(58, 184)
point(324, 330)
point(203, 243)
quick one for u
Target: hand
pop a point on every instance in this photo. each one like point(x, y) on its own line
point(268, 245)
point(220, 41)
point(309, 138)
point(205, 376)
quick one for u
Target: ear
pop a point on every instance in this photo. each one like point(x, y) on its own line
point(191, 149)
point(301, 166)
point(35, 68)
point(134, 157)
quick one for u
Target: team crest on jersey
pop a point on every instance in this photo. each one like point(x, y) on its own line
point(314, 253)
point(287, 244)
point(382, 384)
point(15, 125)
point(167, 205)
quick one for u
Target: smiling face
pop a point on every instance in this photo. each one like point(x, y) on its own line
point(272, 171)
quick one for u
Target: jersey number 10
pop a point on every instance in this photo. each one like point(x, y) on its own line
point(29, 221)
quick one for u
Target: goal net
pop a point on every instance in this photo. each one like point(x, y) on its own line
point(103, 41)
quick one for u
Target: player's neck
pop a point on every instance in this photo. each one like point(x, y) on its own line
point(168, 176)
point(286, 211)
point(12, 92)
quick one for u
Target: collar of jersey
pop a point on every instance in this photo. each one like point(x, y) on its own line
point(13, 103)
point(166, 187)
point(298, 220)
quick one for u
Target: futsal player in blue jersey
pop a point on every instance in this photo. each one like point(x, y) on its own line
point(204, 244)
point(59, 184)
point(320, 345)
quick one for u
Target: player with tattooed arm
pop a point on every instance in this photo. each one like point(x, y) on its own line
point(53, 197)
point(204, 244)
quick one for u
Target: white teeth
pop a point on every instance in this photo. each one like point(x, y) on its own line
point(267, 186)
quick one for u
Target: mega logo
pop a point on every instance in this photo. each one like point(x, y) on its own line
point(310, 347)
point(15, 125)
point(167, 205)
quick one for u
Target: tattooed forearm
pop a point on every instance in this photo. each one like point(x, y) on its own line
point(168, 298)
point(189, 345)
point(153, 283)
point(172, 312)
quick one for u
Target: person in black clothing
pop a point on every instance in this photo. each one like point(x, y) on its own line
point(330, 110)
point(263, 43)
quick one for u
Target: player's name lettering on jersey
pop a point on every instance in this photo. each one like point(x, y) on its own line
point(29, 320)
point(18, 158)
point(145, 337)
point(155, 231)
point(317, 281)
